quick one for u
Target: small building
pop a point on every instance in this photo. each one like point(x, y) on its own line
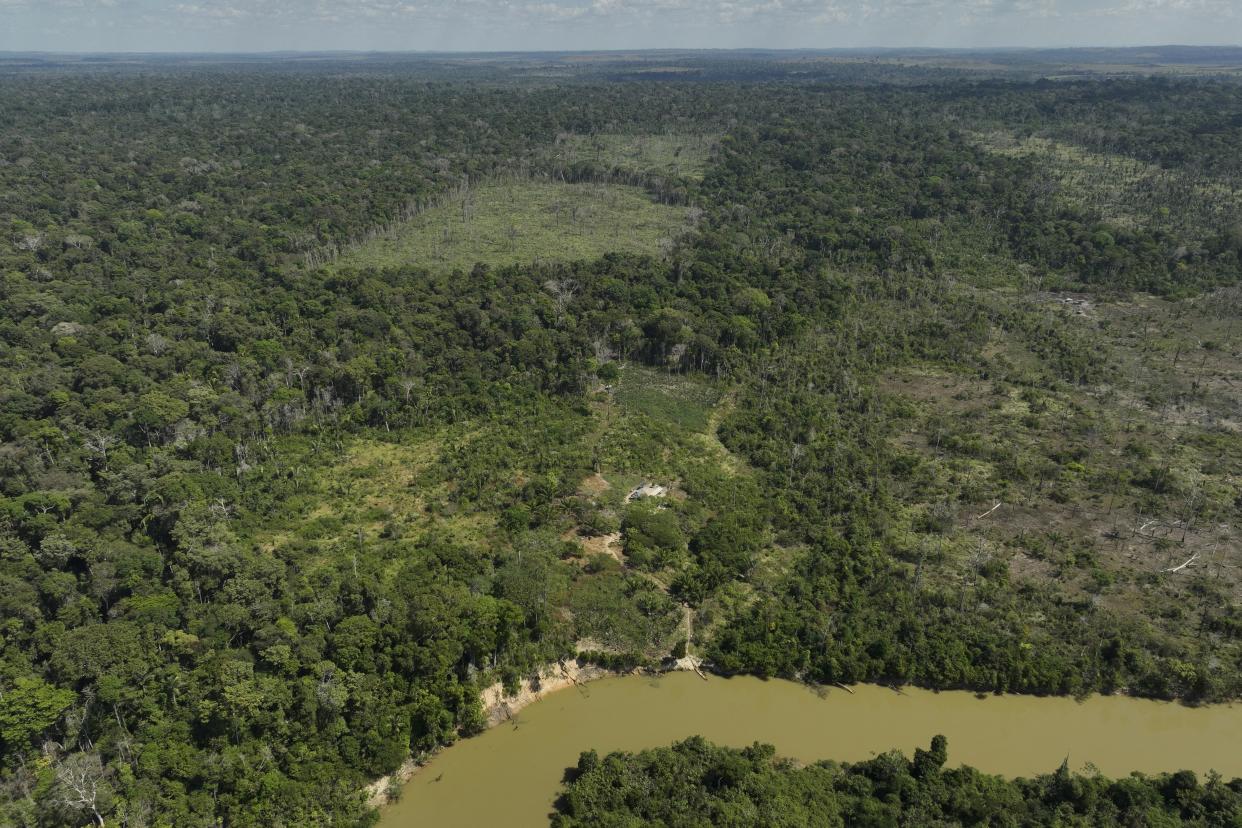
point(646, 490)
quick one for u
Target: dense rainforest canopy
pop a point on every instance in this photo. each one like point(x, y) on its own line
point(279, 496)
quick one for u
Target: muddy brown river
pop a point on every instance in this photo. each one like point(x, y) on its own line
point(510, 774)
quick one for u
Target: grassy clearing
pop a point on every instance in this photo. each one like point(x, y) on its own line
point(375, 490)
point(683, 401)
point(683, 156)
point(1123, 190)
point(519, 221)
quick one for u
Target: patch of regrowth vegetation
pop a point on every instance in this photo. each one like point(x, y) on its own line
point(1118, 497)
point(1126, 191)
point(523, 221)
point(667, 398)
point(372, 491)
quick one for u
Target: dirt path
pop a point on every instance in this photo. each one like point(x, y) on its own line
point(687, 617)
point(731, 463)
point(609, 544)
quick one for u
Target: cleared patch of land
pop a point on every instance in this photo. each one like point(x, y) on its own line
point(541, 499)
point(373, 491)
point(1121, 494)
point(681, 400)
point(1126, 191)
point(522, 221)
point(683, 156)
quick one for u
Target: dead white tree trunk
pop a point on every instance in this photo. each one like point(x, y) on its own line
point(1187, 563)
point(80, 777)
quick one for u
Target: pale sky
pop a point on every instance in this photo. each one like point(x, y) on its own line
point(467, 25)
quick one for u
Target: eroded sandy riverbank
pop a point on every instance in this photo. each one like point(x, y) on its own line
point(499, 707)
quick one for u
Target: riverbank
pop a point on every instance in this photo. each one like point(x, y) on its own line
point(499, 707)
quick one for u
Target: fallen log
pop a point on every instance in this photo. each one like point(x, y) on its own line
point(988, 512)
point(1187, 563)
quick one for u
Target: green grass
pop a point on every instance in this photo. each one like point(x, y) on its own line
point(516, 222)
point(684, 156)
point(667, 398)
point(369, 488)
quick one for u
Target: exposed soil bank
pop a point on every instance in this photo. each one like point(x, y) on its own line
point(500, 707)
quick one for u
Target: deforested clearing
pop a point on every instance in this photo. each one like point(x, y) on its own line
point(524, 221)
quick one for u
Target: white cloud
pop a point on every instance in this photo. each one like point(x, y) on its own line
point(1136, 8)
point(727, 12)
point(582, 24)
point(213, 12)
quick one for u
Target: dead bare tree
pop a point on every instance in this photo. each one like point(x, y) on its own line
point(157, 344)
point(98, 443)
point(563, 292)
point(81, 781)
point(301, 374)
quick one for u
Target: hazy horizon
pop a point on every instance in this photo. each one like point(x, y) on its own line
point(620, 50)
point(257, 26)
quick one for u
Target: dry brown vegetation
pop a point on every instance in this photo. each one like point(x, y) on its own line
point(1122, 493)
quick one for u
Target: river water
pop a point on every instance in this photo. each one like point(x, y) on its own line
point(510, 774)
